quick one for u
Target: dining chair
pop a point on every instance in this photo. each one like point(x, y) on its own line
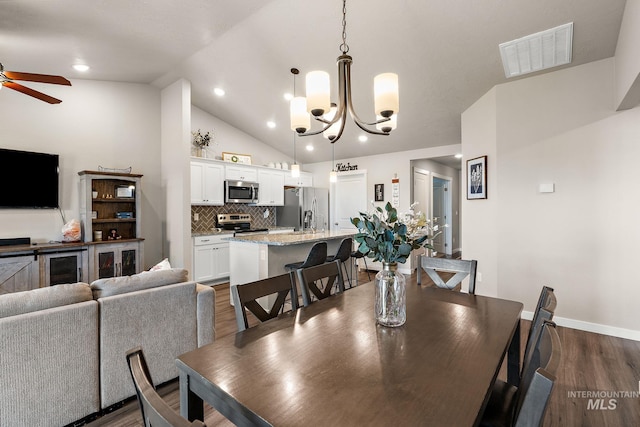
point(245, 297)
point(462, 268)
point(343, 254)
point(545, 309)
point(526, 404)
point(319, 281)
point(155, 411)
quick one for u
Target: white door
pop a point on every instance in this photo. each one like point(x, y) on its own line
point(421, 195)
point(349, 196)
point(441, 213)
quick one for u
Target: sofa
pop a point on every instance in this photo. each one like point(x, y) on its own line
point(63, 347)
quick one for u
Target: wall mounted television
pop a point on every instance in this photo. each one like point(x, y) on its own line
point(28, 180)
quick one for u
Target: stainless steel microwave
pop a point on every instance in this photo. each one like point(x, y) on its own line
point(240, 192)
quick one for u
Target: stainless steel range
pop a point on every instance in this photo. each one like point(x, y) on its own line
point(240, 223)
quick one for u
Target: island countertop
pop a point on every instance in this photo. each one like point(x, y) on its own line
point(295, 238)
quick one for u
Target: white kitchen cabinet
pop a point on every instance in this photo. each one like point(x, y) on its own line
point(271, 191)
point(207, 183)
point(241, 173)
point(211, 258)
point(304, 180)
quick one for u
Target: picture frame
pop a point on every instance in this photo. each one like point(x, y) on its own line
point(243, 159)
point(124, 192)
point(378, 192)
point(477, 178)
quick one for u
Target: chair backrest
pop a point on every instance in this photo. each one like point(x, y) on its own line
point(461, 268)
point(344, 250)
point(245, 297)
point(155, 411)
point(320, 280)
point(317, 255)
point(532, 396)
point(545, 309)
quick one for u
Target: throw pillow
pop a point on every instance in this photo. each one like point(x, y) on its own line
point(162, 265)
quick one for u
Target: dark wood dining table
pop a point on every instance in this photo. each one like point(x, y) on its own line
point(329, 364)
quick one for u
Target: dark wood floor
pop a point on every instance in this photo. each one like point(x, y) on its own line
point(590, 363)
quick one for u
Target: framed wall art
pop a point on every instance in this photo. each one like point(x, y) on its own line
point(243, 159)
point(477, 178)
point(378, 190)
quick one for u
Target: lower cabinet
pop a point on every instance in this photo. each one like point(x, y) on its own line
point(18, 273)
point(64, 266)
point(210, 258)
point(115, 259)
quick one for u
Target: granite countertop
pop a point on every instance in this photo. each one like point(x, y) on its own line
point(212, 233)
point(286, 239)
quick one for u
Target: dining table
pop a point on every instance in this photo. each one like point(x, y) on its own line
point(330, 364)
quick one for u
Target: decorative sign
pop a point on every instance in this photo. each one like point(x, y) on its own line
point(395, 191)
point(341, 167)
point(244, 159)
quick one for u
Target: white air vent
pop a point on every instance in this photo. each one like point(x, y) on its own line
point(538, 51)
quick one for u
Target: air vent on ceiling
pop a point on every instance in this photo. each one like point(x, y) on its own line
point(538, 51)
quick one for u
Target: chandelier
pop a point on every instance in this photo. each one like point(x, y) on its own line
point(317, 103)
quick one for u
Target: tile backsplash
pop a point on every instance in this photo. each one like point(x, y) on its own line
point(208, 214)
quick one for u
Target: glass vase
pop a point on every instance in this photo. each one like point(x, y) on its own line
point(391, 297)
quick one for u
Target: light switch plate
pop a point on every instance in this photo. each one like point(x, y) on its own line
point(547, 188)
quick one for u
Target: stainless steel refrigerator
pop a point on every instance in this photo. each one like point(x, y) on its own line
point(305, 208)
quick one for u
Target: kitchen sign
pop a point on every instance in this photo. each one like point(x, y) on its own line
point(341, 167)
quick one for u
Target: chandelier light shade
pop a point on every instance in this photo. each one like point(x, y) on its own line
point(318, 101)
point(385, 90)
point(318, 92)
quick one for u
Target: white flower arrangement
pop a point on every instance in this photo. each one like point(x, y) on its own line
point(201, 140)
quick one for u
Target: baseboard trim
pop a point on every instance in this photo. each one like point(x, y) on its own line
point(597, 328)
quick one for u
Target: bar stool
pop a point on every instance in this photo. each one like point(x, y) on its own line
point(356, 255)
point(343, 254)
point(317, 255)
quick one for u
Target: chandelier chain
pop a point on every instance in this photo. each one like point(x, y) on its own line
point(344, 47)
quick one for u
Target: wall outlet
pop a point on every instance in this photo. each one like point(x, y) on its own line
point(196, 217)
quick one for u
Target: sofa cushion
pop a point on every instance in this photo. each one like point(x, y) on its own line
point(137, 282)
point(15, 303)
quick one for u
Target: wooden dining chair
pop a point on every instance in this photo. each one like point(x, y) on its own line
point(526, 404)
point(245, 298)
point(462, 268)
point(544, 311)
point(155, 411)
point(343, 254)
point(319, 281)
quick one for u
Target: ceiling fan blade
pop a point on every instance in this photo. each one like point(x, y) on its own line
point(41, 78)
point(28, 91)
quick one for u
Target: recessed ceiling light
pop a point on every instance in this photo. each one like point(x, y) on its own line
point(81, 67)
point(271, 125)
point(288, 96)
point(458, 156)
point(218, 91)
point(363, 138)
point(309, 147)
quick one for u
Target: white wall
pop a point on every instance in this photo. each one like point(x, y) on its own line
point(109, 124)
point(559, 128)
point(230, 139)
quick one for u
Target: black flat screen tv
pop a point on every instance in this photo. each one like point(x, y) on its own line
point(28, 180)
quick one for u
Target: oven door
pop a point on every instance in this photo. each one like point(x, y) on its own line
point(241, 192)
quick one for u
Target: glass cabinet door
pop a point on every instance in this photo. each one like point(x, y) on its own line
point(64, 269)
point(106, 264)
point(128, 262)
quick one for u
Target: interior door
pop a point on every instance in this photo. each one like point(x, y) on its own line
point(441, 213)
point(349, 199)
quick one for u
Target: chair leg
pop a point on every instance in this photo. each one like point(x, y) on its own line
point(366, 268)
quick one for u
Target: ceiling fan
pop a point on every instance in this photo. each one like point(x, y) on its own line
point(7, 79)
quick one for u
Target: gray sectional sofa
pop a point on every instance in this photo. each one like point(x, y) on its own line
point(63, 347)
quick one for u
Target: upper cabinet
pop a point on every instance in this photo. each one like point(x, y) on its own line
point(304, 180)
point(241, 173)
point(271, 191)
point(207, 183)
point(110, 202)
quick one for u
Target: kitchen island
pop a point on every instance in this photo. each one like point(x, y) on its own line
point(260, 256)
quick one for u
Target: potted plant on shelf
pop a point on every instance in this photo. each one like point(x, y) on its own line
point(201, 142)
point(386, 236)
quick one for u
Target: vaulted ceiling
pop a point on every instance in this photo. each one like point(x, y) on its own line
point(445, 53)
